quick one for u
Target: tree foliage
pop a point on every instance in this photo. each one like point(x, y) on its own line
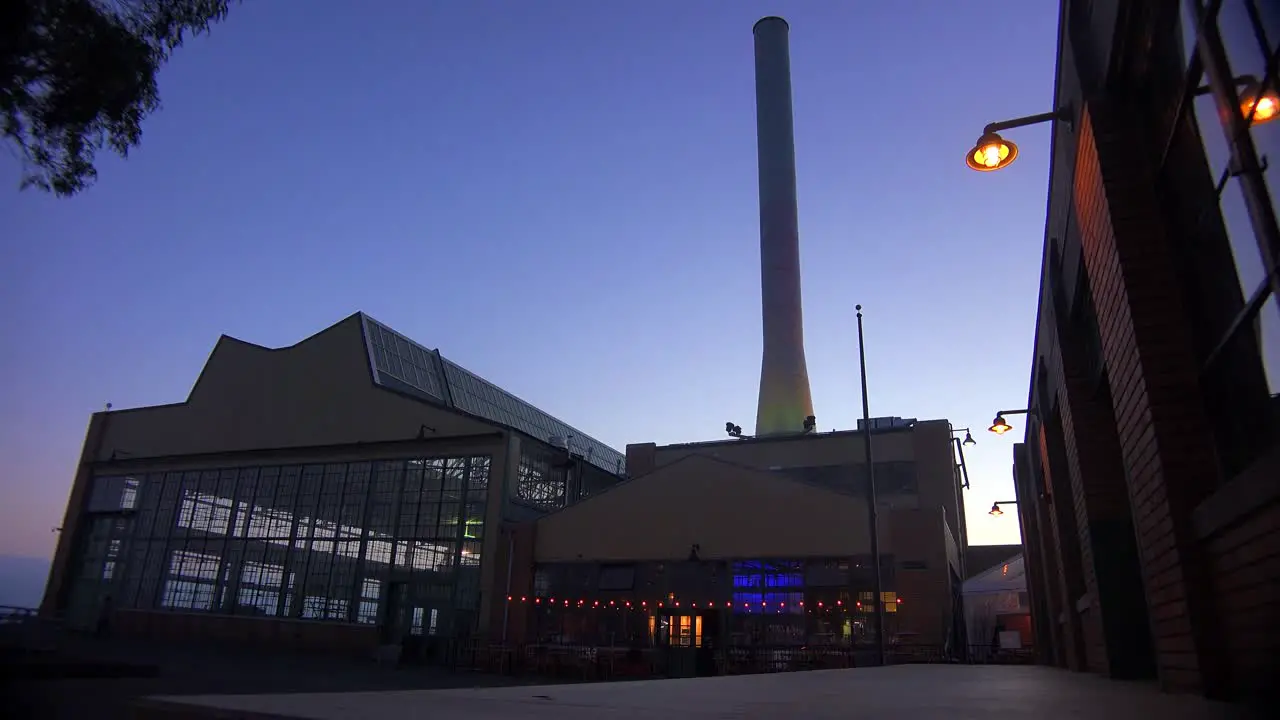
point(77, 75)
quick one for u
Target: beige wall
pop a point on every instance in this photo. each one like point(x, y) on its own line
point(927, 443)
point(68, 534)
point(803, 450)
point(318, 392)
point(939, 482)
point(730, 511)
point(926, 591)
point(312, 402)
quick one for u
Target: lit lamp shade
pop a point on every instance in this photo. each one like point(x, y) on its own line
point(991, 152)
point(1000, 426)
point(995, 510)
point(1268, 105)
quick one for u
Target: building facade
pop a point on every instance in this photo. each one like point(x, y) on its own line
point(347, 491)
point(1148, 479)
point(751, 546)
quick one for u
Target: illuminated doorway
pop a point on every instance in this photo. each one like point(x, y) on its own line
point(686, 641)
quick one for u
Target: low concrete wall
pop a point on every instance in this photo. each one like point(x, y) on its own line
point(276, 633)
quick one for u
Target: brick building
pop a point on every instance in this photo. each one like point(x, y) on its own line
point(1148, 479)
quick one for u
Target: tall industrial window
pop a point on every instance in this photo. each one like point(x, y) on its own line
point(543, 477)
point(314, 541)
point(770, 586)
point(1250, 37)
point(406, 366)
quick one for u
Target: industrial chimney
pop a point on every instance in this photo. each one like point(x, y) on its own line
point(784, 379)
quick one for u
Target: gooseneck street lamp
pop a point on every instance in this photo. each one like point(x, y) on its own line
point(1000, 425)
point(995, 507)
point(1258, 104)
point(993, 152)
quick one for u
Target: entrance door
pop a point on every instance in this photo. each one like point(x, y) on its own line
point(684, 640)
point(396, 623)
point(98, 566)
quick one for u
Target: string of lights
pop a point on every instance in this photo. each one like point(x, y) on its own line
point(644, 605)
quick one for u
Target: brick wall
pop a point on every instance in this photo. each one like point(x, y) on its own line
point(1084, 491)
point(1039, 554)
point(1160, 275)
point(1240, 526)
point(1040, 632)
point(1046, 586)
point(1064, 543)
point(1245, 561)
point(1113, 614)
point(1165, 440)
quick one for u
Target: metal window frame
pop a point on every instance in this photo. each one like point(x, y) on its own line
point(1210, 58)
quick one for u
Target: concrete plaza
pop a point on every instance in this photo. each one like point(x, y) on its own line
point(898, 693)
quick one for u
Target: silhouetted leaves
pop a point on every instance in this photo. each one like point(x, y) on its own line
point(76, 75)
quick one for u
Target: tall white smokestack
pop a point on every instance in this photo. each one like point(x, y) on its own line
point(785, 401)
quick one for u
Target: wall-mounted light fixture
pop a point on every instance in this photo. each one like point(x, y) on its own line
point(993, 152)
point(995, 507)
point(1000, 425)
point(1258, 105)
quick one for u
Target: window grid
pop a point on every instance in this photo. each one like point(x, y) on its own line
point(314, 541)
point(408, 362)
point(1241, 362)
point(402, 359)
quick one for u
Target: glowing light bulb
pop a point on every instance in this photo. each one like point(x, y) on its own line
point(1266, 109)
point(991, 155)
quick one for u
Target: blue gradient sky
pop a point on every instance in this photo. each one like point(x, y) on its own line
point(561, 195)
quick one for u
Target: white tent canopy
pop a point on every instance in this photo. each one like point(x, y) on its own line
point(1000, 590)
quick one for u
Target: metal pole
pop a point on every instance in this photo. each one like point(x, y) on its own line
point(872, 510)
point(962, 535)
point(506, 609)
point(1062, 113)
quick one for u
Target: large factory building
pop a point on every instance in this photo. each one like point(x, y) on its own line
point(343, 492)
point(358, 490)
point(754, 544)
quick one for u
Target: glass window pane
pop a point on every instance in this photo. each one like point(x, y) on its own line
point(1268, 329)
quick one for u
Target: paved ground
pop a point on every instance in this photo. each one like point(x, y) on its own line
point(903, 692)
point(151, 669)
